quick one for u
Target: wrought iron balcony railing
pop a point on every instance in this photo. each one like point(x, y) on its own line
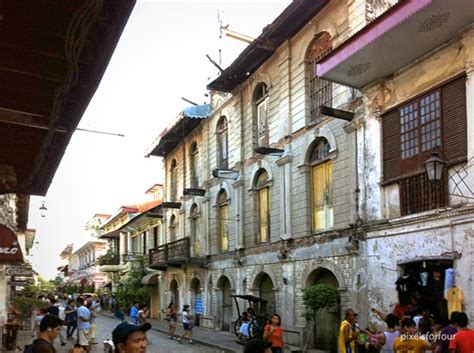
point(174, 253)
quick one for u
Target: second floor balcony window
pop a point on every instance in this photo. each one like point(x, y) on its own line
point(321, 186)
point(194, 231)
point(263, 204)
point(320, 90)
point(223, 220)
point(222, 143)
point(174, 180)
point(194, 165)
point(262, 100)
point(173, 228)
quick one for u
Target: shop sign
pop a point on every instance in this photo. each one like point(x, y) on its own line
point(199, 308)
point(19, 271)
point(10, 251)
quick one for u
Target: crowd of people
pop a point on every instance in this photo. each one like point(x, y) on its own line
point(411, 332)
point(55, 320)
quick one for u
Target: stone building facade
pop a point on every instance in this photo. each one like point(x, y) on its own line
point(294, 194)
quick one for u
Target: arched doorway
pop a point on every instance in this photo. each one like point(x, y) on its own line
point(327, 320)
point(174, 294)
point(225, 302)
point(196, 300)
point(264, 285)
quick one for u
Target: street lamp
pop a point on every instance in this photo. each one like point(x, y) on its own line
point(434, 167)
point(43, 209)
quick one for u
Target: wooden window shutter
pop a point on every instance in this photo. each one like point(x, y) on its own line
point(453, 97)
point(264, 214)
point(223, 227)
point(262, 120)
point(391, 145)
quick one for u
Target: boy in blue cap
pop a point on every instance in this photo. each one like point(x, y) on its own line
point(130, 338)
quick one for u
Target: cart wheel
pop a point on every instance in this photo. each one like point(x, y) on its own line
point(255, 329)
point(237, 325)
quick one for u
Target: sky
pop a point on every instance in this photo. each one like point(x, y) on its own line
point(161, 57)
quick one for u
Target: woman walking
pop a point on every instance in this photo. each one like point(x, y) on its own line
point(187, 325)
point(274, 333)
point(172, 319)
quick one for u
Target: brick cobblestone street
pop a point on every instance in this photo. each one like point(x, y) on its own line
point(159, 342)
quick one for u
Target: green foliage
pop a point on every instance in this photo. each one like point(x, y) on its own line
point(31, 291)
point(27, 305)
point(109, 258)
point(132, 290)
point(318, 297)
point(46, 286)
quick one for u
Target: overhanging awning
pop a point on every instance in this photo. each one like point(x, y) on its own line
point(10, 251)
point(110, 235)
point(150, 279)
point(405, 33)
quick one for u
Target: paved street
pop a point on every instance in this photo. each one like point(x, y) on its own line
point(158, 341)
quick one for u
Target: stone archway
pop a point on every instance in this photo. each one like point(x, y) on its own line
point(224, 303)
point(174, 293)
point(327, 320)
point(264, 287)
point(196, 300)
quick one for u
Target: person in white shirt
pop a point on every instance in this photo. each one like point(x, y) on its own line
point(83, 324)
point(187, 325)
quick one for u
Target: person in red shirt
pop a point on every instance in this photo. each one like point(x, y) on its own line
point(274, 333)
point(463, 340)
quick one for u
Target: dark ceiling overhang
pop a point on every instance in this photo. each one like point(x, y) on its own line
point(405, 33)
point(110, 235)
point(285, 26)
point(54, 54)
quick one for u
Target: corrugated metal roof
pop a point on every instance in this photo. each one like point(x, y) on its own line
point(198, 111)
point(187, 120)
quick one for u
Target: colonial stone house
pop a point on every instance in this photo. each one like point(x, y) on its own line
point(304, 169)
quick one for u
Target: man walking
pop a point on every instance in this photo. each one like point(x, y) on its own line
point(347, 337)
point(134, 314)
point(54, 310)
point(83, 324)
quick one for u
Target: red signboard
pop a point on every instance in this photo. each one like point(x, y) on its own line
point(10, 251)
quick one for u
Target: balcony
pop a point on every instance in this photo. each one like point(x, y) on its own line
point(173, 254)
point(132, 256)
point(417, 194)
point(109, 262)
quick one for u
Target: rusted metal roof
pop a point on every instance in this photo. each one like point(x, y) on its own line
point(285, 26)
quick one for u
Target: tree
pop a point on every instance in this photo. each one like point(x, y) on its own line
point(317, 297)
point(132, 290)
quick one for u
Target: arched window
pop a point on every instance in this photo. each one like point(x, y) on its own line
point(321, 186)
point(263, 204)
point(194, 231)
point(320, 90)
point(223, 219)
point(194, 167)
point(174, 180)
point(261, 100)
point(173, 228)
point(222, 144)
